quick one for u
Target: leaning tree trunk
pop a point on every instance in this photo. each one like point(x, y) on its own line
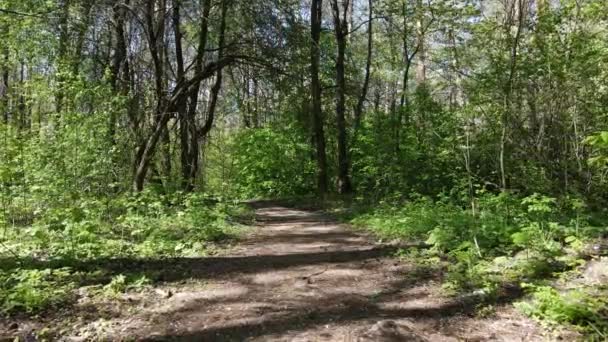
point(199, 135)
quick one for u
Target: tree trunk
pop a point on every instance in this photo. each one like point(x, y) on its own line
point(341, 33)
point(421, 47)
point(202, 134)
point(119, 72)
point(146, 153)
point(508, 88)
point(5, 80)
point(368, 65)
point(317, 114)
point(62, 53)
point(21, 106)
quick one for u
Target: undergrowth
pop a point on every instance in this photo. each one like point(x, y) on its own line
point(44, 262)
point(501, 241)
point(583, 308)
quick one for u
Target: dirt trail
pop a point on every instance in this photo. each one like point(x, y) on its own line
point(301, 276)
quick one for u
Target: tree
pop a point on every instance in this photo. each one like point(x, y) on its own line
point(368, 65)
point(184, 90)
point(316, 15)
point(340, 16)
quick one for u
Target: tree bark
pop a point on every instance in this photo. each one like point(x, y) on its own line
point(155, 31)
point(341, 33)
point(315, 88)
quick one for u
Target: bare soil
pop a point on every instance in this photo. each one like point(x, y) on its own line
point(299, 276)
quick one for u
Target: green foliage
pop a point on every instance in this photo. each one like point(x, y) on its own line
point(505, 240)
point(117, 285)
point(140, 225)
point(417, 158)
point(579, 307)
point(600, 142)
point(134, 226)
point(271, 163)
point(34, 290)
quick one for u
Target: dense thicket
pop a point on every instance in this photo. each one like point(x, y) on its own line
point(463, 102)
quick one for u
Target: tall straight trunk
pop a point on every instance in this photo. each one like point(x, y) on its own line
point(181, 107)
point(190, 137)
point(508, 87)
point(81, 31)
point(315, 88)
point(341, 33)
point(368, 66)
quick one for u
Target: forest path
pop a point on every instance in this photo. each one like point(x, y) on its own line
point(302, 276)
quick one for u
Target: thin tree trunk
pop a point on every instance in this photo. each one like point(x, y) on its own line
point(120, 75)
point(508, 91)
point(4, 102)
point(166, 105)
point(182, 110)
point(155, 30)
point(21, 106)
point(368, 65)
point(215, 91)
point(421, 47)
point(190, 135)
point(62, 53)
point(82, 28)
point(408, 57)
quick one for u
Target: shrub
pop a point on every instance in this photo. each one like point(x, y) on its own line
point(34, 290)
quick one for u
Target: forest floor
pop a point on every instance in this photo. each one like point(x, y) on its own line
point(298, 276)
